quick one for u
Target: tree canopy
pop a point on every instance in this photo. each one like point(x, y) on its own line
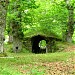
point(41, 16)
point(26, 18)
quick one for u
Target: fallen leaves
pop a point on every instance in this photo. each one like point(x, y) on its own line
point(50, 68)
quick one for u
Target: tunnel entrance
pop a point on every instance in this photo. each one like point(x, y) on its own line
point(42, 45)
point(38, 43)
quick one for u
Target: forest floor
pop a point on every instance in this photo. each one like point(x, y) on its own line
point(58, 63)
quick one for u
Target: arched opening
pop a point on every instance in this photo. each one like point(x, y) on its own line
point(36, 44)
point(42, 45)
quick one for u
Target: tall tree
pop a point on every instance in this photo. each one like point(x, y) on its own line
point(70, 24)
point(16, 28)
point(3, 13)
point(17, 34)
point(19, 14)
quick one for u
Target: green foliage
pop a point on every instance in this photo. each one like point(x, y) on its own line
point(46, 17)
point(39, 17)
point(42, 44)
point(19, 14)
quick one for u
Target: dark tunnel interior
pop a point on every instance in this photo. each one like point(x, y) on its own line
point(35, 44)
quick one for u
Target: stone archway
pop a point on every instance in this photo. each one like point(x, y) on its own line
point(35, 44)
point(32, 43)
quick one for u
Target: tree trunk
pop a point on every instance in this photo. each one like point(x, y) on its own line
point(10, 38)
point(10, 33)
point(17, 42)
point(3, 12)
point(17, 45)
point(17, 34)
point(15, 30)
point(70, 24)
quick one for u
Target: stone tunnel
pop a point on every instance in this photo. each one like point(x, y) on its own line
point(32, 43)
point(35, 44)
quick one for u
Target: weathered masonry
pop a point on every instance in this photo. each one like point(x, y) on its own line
point(32, 43)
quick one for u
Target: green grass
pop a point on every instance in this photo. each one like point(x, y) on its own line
point(26, 63)
point(27, 58)
point(21, 61)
